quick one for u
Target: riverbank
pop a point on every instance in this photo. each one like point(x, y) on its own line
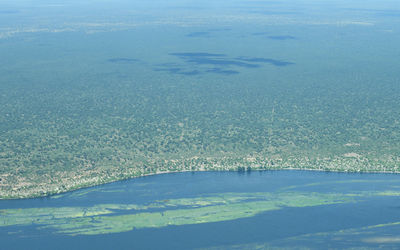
point(20, 187)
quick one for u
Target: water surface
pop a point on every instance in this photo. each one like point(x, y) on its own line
point(218, 210)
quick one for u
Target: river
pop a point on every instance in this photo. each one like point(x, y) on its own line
point(212, 210)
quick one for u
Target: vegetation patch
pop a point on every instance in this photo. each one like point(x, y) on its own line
point(113, 218)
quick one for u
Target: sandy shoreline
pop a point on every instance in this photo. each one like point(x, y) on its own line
point(201, 170)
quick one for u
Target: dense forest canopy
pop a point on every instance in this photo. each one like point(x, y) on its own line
point(94, 91)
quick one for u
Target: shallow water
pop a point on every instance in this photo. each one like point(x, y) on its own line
point(212, 210)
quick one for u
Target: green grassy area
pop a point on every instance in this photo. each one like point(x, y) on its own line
point(114, 218)
point(107, 218)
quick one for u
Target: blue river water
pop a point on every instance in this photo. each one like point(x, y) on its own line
point(370, 219)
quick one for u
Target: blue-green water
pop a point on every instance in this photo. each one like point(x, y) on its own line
point(363, 213)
